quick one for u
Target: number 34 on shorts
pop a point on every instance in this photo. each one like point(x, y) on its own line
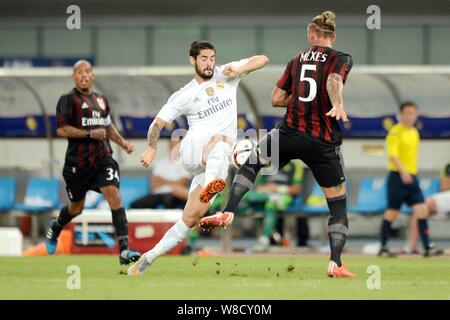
point(112, 174)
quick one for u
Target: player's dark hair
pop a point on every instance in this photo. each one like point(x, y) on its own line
point(407, 104)
point(199, 45)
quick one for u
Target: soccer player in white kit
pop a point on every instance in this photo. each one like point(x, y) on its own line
point(209, 103)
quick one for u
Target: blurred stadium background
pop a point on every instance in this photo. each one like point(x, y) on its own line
point(139, 51)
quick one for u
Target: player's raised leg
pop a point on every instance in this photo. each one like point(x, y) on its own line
point(242, 183)
point(120, 222)
point(66, 214)
point(192, 213)
point(216, 160)
point(337, 230)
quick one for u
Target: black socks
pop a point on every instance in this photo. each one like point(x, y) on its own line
point(423, 231)
point(119, 220)
point(242, 183)
point(63, 218)
point(385, 232)
point(337, 227)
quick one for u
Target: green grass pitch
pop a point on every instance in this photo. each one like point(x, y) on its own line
point(228, 277)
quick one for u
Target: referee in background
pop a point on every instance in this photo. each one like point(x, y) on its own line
point(402, 144)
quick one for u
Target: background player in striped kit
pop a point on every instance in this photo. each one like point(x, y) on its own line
point(83, 117)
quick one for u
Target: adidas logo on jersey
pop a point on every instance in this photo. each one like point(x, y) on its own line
point(84, 105)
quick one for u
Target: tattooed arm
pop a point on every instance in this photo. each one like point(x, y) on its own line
point(335, 86)
point(115, 136)
point(280, 98)
point(153, 134)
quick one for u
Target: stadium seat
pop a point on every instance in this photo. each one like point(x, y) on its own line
point(429, 187)
point(316, 203)
point(42, 195)
point(371, 196)
point(7, 193)
point(296, 206)
point(131, 188)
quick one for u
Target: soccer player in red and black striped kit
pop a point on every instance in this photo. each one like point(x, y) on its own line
point(83, 117)
point(311, 89)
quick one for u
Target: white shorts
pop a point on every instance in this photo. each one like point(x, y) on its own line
point(442, 200)
point(191, 153)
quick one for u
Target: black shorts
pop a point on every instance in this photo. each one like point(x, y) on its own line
point(398, 192)
point(324, 160)
point(79, 181)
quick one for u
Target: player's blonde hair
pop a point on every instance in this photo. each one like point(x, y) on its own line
point(324, 24)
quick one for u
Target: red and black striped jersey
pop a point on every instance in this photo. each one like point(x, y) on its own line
point(305, 78)
point(84, 111)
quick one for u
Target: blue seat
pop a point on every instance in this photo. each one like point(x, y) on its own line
point(42, 195)
point(316, 209)
point(372, 194)
point(296, 205)
point(429, 187)
point(131, 188)
point(7, 193)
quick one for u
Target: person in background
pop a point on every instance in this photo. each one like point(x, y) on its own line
point(437, 204)
point(275, 193)
point(169, 183)
point(83, 117)
point(403, 186)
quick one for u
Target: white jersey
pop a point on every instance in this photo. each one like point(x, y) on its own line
point(210, 107)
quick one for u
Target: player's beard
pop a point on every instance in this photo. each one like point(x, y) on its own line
point(202, 75)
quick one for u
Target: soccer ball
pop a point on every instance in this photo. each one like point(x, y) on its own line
point(242, 151)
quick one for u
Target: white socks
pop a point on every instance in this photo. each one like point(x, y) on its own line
point(171, 239)
point(217, 163)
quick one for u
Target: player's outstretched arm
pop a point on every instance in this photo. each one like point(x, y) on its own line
point(153, 134)
point(115, 136)
point(280, 98)
point(254, 63)
point(335, 87)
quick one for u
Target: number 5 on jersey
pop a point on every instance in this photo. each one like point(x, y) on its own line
point(311, 81)
point(112, 174)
